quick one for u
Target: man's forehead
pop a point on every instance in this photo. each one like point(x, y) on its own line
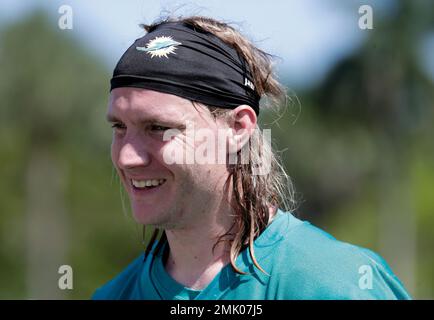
point(148, 105)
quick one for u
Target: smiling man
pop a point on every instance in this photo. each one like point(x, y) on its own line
point(222, 229)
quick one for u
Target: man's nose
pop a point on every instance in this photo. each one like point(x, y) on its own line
point(133, 154)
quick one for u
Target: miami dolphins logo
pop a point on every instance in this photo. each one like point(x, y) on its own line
point(160, 46)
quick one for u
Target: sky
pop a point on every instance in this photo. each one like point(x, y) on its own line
point(308, 37)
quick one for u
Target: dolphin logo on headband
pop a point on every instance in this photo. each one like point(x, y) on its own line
point(160, 46)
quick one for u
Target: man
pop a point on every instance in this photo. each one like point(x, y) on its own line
point(184, 104)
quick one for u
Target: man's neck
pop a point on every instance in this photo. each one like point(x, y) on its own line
point(191, 260)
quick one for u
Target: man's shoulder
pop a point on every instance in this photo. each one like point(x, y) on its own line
point(320, 266)
point(301, 239)
point(124, 281)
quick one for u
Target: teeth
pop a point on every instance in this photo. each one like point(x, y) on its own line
point(139, 184)
point(147, 183)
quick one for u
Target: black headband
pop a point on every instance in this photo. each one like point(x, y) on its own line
point(180, 59)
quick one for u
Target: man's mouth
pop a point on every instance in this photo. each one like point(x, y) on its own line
point(147, 184)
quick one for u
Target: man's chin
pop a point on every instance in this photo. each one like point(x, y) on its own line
point(147, 218)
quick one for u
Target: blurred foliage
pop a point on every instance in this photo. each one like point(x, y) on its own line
point(363, 137)
point(361, 143)
point(53, 95)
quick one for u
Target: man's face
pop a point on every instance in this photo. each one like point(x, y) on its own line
point(184, 193)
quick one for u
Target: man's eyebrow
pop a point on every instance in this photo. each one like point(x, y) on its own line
point(112, 118)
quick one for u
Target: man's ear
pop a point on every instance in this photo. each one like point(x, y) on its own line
point(242, 125)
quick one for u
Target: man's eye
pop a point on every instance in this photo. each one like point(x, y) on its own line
point(118, 126)
point(158, 128)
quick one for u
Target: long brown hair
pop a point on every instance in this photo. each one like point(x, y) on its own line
point(252, 194)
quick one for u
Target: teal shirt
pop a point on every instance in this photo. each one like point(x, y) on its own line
point(302, 262)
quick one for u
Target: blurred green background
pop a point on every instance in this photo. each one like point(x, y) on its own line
point(358, 146)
